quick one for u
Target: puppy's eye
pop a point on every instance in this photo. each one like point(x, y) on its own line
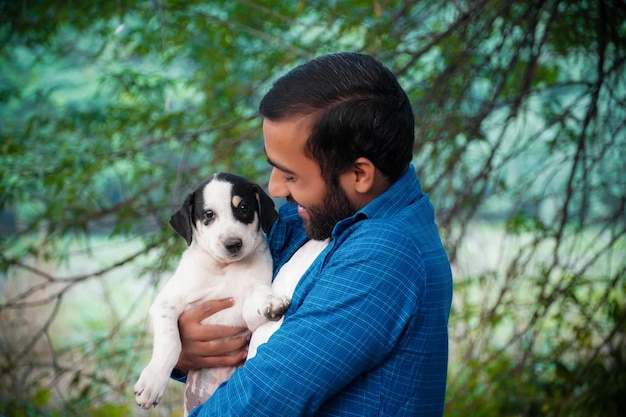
point(243, 208)
point(207, 216)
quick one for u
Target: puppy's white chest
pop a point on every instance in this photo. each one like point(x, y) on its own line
point(238, 282)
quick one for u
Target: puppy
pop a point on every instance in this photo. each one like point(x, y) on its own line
point(227, 257)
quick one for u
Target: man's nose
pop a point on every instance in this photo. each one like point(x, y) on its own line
point(276, 186)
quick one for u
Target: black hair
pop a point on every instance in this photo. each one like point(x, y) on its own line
point(360, 111)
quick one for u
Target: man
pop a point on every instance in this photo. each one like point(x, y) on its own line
point(366, 333)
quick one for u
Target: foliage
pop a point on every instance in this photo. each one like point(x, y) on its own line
point(112, 111)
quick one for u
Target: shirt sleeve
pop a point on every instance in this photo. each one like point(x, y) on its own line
point(347, 317)
point(178, 375)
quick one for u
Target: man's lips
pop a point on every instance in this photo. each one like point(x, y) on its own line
point(301, 210)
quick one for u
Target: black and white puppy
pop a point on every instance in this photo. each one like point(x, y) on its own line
point(227, 257)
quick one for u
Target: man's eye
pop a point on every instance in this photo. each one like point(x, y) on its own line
point(289, 179)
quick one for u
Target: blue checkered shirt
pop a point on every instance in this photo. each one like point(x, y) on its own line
point(367, 330)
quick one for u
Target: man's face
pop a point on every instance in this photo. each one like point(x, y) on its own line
point(298, 178)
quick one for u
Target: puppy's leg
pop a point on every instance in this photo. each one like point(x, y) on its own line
point(202, 383)
point(262, 304)
point(153, 380)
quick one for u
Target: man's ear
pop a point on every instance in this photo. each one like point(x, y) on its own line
point(182, 221)
point(267, 211)
point(364, 175)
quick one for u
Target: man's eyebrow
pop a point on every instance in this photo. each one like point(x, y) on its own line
point(279, 167)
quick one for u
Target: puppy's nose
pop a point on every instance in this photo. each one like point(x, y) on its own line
point(233, 244)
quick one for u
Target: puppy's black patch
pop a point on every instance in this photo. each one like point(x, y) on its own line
point(247, 198)
point(253, 199)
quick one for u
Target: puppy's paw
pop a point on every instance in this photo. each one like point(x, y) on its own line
point(150, 388)
point(275, 307)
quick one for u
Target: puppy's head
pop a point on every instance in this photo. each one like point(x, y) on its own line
point(224, 216)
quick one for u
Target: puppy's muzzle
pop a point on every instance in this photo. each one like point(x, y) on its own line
point(233, 245)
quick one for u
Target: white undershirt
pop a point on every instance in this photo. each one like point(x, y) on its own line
point(284, 284)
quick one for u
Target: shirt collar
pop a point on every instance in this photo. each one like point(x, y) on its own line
point(402, 192)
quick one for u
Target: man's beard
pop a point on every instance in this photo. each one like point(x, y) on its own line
point(334, 208)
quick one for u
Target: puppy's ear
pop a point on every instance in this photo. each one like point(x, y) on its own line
point(181, 221)
point(267, 212)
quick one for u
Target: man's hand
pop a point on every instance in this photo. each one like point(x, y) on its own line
point(211, 345)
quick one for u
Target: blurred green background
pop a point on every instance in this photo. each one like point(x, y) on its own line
point(112, 111)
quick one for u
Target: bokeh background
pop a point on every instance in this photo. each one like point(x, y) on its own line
point(112, 111)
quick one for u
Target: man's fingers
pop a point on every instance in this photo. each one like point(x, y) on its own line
point(214, 353)
point(206, 309)
point(226, 360)
point(196, 332)
point(210, 345)
point(213, 361)
point(221, 347)
point(224, 332)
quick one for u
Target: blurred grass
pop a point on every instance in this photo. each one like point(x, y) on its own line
point(100, 337)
